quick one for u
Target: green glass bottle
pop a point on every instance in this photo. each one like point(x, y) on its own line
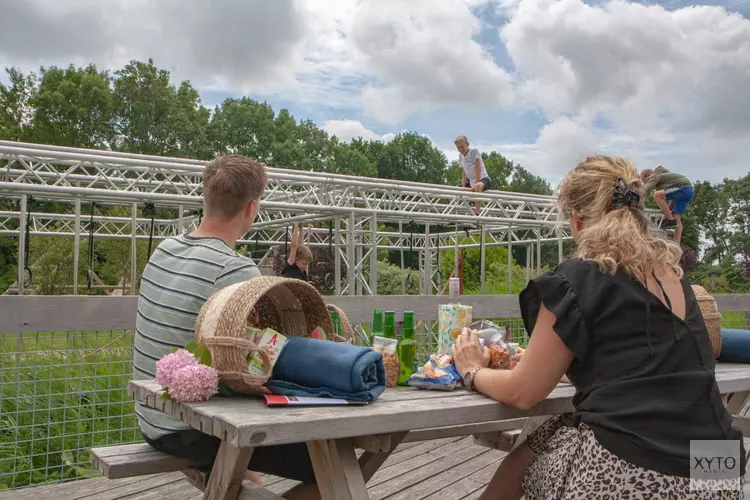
point(377, 324)
point(390, 325)
point(336, 324)
point(407, 350)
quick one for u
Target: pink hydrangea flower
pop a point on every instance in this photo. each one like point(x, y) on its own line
point(194, 383)
point(168, 366)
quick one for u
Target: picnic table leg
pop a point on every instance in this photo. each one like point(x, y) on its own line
point(337, 471)
point(532, 424)
point(228, 472)
point(370, 462)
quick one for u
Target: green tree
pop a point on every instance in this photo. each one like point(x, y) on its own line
point(15, 108)
point(242, 126)
point(73, 107)
point(153, 117)
point(411, 157)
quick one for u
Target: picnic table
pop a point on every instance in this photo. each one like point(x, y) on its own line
point(334, 433)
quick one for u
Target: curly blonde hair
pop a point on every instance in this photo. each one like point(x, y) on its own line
point(616, 237)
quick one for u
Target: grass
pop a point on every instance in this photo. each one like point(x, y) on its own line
point(55, 406)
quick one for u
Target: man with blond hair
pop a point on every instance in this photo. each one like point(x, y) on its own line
point(183, 272)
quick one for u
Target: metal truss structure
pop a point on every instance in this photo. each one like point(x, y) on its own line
point(355, 209)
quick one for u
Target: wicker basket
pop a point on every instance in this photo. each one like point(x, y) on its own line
point(291, 307)
point(711, 316)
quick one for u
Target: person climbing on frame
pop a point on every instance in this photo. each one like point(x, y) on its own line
point(299, 259)
point(473, 172)
point(669, 187)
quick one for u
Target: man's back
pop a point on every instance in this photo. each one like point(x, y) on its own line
point(180, 276)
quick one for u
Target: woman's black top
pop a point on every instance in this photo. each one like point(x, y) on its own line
point(644, 378)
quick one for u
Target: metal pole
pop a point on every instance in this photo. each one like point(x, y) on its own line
point(22, 245)
point(528, 261)
point(538, 254)
point(403, 275)
point(351, 257)
point(76, 245)
point(427, 260)
point(455, 255)
point(133, 249)
point(510, 260)
point(374, 254)
point(337, 253)
point(180, 220)
point(559, 246)
point(481, 257)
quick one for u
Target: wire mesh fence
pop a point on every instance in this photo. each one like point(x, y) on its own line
point(63, 393)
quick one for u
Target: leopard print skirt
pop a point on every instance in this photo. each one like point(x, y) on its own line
point(570, 463)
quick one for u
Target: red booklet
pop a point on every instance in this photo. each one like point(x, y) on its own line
point(276, 400)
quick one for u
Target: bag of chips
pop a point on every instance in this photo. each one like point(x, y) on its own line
point(438, 373)
point(387, 347)
point(496, 338)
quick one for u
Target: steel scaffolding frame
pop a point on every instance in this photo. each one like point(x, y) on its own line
point(353, 206)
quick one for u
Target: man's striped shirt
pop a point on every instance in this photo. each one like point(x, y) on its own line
point(182, 273)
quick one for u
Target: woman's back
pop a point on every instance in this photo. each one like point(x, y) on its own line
point(643, 367)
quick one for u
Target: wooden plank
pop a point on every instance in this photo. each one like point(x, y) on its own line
point(228, 472)
point(251, 491)
point(471, 485)
point(336, 470)
point(137, 488)
point(376, 444)
point(66, 313)
point(73, 490)
point(463, 430)
point(248, 422)
point(733, 302)
point(498, 440)
point(143, 463)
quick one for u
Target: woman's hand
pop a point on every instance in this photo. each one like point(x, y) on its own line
point(467, 353)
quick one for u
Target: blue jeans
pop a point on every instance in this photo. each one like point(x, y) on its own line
point(681, 196)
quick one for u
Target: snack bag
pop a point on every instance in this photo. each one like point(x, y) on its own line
point(496, 338)
point(439, 373)
point(273, 342)
point(452, 319)
point(387, 347)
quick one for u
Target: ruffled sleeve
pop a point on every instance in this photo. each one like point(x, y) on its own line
point(556, 293)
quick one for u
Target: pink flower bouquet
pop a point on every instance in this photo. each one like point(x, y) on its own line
point(187, 375)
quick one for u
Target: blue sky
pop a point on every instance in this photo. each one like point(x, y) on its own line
point(544, 82)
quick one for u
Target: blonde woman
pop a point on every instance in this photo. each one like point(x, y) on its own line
point(619, 320)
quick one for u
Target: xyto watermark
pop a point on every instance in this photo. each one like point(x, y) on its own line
point(715, 465)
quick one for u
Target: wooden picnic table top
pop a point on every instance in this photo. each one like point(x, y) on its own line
point(247, 422)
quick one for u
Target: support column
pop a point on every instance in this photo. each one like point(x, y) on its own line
point(481, 257)
point(538, 253)
point(133, 249)
point(180, 220)
point(23, 221)
point(337, 253)
point(76, 246)
point(374, 254)
point(510, 260)
point(427, 260)
point(403, 276)
point(528, 261)
point(559, 246)
point(351, 256)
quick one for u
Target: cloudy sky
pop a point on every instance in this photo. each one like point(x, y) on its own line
point(542, 81)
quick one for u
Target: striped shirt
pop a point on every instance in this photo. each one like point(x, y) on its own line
point(183, 272)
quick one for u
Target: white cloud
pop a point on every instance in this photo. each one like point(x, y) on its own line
point(347, 130)
point(423, 56)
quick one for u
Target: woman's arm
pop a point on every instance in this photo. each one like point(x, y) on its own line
point(545, 362)
point(296, 239)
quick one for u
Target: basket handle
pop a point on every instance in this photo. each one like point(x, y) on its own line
point(249, 348)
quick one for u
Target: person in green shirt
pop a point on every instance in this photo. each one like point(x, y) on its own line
point(669, 187)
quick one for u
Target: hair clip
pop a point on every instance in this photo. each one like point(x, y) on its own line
point(624, 195)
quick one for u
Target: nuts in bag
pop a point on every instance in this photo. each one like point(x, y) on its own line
point(387, 347)
point(439, 373)
point(496, 338)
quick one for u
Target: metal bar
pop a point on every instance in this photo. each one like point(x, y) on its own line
point(374, 255)
point(481, 261)
point(180, 220)
point(559, 246)
point(401, 250)
point(351, 256)
point(133, 251)
point(21, 276)
point(510, 262)
point(427, 270)
point(337, 253)
point(76, 245)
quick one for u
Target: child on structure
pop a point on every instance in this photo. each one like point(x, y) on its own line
point(473, 173)
point(300, 256)
point(669, 187)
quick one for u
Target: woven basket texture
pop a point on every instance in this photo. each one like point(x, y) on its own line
point(289, 306)
point(711, 316)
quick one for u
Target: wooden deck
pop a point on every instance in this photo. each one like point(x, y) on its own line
point(443, 469)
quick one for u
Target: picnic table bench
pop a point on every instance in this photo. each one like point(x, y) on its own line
point(334, 433)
